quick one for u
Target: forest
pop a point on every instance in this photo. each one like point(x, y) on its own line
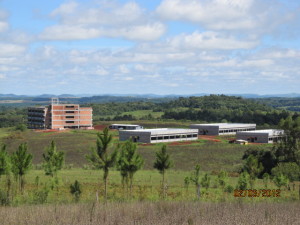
point(212, 108)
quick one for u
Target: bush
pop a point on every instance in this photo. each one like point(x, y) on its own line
point(4, 200)
point(75, 190)
point(288, 169)
point(40, 196)
point(21, 127)
point(229, 189)
point(281, 180)
point(243, 181)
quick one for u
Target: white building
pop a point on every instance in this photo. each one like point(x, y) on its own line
point(159, 135)
point(222, 128)
point(125, 127)
point(261, 136)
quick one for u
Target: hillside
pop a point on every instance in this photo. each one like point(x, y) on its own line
point(212, 108)
point(76, 144)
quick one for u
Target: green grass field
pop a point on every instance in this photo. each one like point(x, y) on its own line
point(211, 155)
point(77, 143)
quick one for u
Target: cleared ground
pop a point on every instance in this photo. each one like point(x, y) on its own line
point(211, 153)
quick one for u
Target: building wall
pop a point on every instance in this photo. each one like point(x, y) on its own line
point(37, 117)
point(143, 137)
point(216, 130)
point(60, 116)
point(147, 137)
point(206, 130)
point(253, 137)
point(171, 138)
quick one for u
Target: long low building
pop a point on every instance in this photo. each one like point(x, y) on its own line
point(261, 136)
point(125, 127)
point(158, 135)
point(222, 128)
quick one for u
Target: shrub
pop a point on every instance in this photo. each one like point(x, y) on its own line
point(288, 169)
point(243, 181)
point(281, 180)
point(229, 189)
point(75, 190)
point(40, 196)
point(4, 199)
point(21, 127)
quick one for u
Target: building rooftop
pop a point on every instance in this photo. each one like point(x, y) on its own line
point(116, 124)
point(163, 131)
point(225, 125)
point(267, 131)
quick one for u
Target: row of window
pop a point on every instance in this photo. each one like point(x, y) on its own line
point(235, 130)
point(173, 137)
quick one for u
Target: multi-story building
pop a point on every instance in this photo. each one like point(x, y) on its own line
point(60, 116)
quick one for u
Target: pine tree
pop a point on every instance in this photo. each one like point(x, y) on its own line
point(163, 163)
point(53, 160)
point(21, 163)
point(75, 190)
point(129, 162)
point(5, 164)
point(100, 157)
point(195, 178)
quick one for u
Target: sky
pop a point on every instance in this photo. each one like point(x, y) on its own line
point(158, 46)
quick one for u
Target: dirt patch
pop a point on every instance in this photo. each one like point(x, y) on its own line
point(146, 144)
point(209, 138)
point(100, 127)
point(181, 143)
point(46, 131)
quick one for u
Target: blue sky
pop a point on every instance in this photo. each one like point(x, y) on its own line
point(157, 46)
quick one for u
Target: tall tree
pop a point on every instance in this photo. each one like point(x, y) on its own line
point(53, 160)
point(195, 178)
point(289, 149)
point(163, 163)
point(129, 162)
point(5, 165)
point(100, 157)
point(21, 163)
point(253, 167)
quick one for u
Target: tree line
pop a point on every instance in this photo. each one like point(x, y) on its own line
point(212, 108)
point(282, 162)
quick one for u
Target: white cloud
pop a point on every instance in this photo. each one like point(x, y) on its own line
point(260, 16)
point(210, 40)
point(65, 32)
point(145, 32)
point(3, 26)
point(78, 22)
point(65, 9)
point(231, 14)
point(2, 76)
point(7, 50)
point(3, 23)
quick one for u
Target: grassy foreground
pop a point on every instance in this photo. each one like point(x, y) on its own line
point(147, 213)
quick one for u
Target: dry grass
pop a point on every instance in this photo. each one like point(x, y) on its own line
point(153, 213)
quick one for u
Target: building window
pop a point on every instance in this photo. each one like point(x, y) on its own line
point(70, 106)
point(69, 121)
point(195, 135)
point(69, 111)
point(153, 138)
point(69, 117)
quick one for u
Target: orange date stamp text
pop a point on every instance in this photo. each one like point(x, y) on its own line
point(257, 193)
